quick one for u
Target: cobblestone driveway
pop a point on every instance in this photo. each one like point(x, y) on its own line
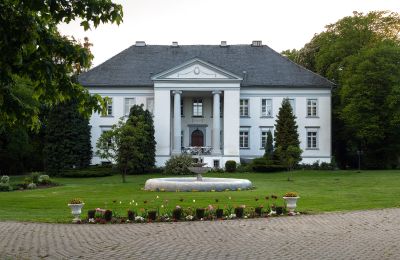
point(373, 234)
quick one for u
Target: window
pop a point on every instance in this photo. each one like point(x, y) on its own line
point(311, 107)
point(129, 103)
point(197, 107)
point(109, 141)
point(266, 107)
point(264, 134)
point(312, 139)
point(221, 139)
point(216, 164)
point(109, 108)
point(244, 139)
point(150, 105)
point(182, 114)
point(244, 107)
point(221, 108)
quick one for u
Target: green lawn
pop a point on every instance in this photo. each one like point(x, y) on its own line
point(319, 191)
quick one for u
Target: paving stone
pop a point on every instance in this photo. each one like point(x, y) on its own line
point(371, 234)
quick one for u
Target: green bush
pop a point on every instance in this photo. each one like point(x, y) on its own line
point(5, 183)
point(230, 166)
point(239, 212)
point(35, 177)
point(93, 171)
point(178, 165)
point(31, 186)
point(264, 165)
point(44, 180)
point(243, 167)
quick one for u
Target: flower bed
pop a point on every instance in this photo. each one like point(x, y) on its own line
point(159, 210)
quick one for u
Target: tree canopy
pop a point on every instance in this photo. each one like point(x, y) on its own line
point(37, 57)
point(360, 54)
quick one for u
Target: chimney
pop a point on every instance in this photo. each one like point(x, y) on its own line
point(223, 44)
point(140, 43)
point(174, 44)
point(256, 44)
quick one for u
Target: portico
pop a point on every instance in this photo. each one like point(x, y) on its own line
point(195, 92)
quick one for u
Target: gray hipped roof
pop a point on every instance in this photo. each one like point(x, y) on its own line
point(264, 67)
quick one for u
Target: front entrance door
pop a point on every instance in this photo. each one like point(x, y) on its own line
point(197, 138)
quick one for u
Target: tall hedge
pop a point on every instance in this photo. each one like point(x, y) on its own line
point(67, 139)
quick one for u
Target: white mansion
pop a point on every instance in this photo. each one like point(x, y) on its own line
point(219, 100)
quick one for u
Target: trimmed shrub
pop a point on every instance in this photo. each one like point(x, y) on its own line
point(258, 210)
point(200, 213)
point(131, 215)
point(263, 165)
point(178, 164)
point(219, 213)
point(91, 213)
point(152, 215)
point(230, 166)
point(279, 210)
point(239, 212)
point(5, 183)
point(177, 213)
point(108, 215)
point(93, 171)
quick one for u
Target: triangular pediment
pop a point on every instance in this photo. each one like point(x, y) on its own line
point(195, 69)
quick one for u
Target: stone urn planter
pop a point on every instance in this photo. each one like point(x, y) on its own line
point(76, 210)
point(291, 202)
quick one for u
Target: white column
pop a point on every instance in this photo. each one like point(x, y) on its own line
point(162, 124)
point(216, 142)
point(177, 122)
point(231, 123)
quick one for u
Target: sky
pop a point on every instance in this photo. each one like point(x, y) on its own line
point(280, 24)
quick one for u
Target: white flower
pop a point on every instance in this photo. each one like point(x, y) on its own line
point(130, 203)
point(194, 201)
point(189, 217)
point(157, 197)
point(139, 218)
point(136, 204)
point(233, 215)
point(120, 202)
point(162, 206)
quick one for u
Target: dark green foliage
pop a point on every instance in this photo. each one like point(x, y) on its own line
point(258, 211)
point(177, 213)
point(269, 146)
point(33, 49)
point(239, 212)
point(91, 213)
point(152, 215)
point(279, 210)
point(35, 177)
point(131, 215)
point(219, 213)
point(200, 213)
point(178, 164)
point(286, 137)
point(20, 151)
point(92, 171)
point(264, 165)
point(108, 214)
point(230, 166)
point(359, 54)
point(137, 146)
point(5, 183)
point(67, 139)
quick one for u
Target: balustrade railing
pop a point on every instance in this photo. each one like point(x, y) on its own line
point(197, 150)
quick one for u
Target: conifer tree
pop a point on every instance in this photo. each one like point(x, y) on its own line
point(269, 146)
point(67, 139)
point(286, 137)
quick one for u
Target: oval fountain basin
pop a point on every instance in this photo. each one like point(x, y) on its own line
point(191, 184)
